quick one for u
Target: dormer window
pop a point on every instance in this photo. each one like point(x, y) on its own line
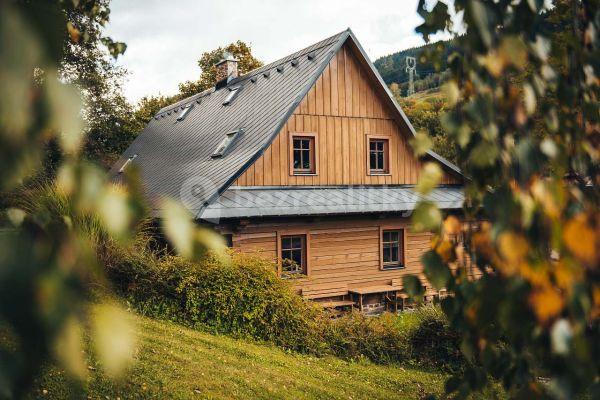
point(129, 161)
point(233, 92)
point(185, 112)
point(226, 143)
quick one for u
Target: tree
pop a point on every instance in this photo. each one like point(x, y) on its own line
point(532, 321)
point(240, 50)
point(89, 65)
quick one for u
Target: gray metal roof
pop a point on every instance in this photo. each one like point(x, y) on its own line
point(174, 157)
point(262, 201)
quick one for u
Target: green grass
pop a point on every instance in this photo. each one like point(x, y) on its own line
point(176, 362)
point(428, 95)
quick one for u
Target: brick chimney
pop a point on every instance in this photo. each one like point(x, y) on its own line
point(226, 69)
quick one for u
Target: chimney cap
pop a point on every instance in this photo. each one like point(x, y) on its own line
point(227, 56)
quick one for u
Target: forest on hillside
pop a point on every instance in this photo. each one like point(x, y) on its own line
point(432, 63)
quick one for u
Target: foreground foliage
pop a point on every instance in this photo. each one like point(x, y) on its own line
point(526, 129)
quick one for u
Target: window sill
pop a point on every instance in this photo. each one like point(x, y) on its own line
point(379, 173)
point(392, 267)
point(289, 276)
point(304, 174)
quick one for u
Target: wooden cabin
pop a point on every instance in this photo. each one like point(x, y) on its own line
point(305, 161)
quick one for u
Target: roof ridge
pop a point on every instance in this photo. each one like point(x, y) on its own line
point(257, 71)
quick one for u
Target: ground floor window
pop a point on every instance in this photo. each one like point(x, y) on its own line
point(393, 248)
point(293, 254)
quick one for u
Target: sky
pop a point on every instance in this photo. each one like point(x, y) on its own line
point(165, 39)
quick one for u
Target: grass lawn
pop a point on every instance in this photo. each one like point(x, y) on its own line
point(175, 362)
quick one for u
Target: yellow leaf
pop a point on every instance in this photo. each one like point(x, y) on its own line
point(452, 225)
point(513, 247)
point(74, 33)
point(567, 275)
point(580, 239)
point(546, 302)
point(179, 228)
point(421, 143)
point(429, 178)
point(114, 210)
point(68, 348)
point(445, 249)
point(113, 338)
point(452, 92)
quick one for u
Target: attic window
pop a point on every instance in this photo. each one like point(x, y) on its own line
point(266, 74)
point(129, 161)
point(280, 69)
point(185, 112)
point(294, 63)
point(226, 143)
point(233, 92)
point(253, 79)
point(311, 56)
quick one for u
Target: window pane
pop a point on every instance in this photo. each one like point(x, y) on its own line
point(394, 254)
point(296, 242)
point(372, 145)
point(306, 160)
point(386, 254)
point(297, 159)
point(297, 256)
point(380, 160)
point(386, 236)
point(373, 161)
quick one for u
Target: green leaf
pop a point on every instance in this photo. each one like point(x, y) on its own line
point(412, 286)
point(430, 177)
point(484, 154)
point(426, 217)
point(435, 20)
point(421, 143)
point(435, 270)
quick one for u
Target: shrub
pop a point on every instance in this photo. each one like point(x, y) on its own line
point(422, 336)
point(380, 339)
point(434, 341)
point(242, 297)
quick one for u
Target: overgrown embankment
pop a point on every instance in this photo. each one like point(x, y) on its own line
point(240, 295)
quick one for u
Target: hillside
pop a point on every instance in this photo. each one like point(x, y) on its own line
point(393, 66)
point(176, 362)
point(431, 66)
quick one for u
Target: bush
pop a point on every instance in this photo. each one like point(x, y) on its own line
point(421, 337)
point(242, 297)
point(434, 341)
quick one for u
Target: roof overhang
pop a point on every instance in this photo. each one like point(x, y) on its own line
point(272, 201)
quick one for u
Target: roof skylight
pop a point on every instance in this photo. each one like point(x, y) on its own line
point(233, 92)
point(185, 112)
point(226, 143)
point(129, 161)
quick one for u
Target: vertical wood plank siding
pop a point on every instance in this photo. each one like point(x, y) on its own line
point(342, 108)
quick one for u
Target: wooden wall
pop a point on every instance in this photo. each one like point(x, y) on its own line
point(341, 253)
point(342, 108)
